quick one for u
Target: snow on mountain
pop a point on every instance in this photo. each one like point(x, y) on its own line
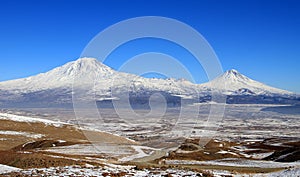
point(59, 77)
point(238, 84)
point(56, 85)
point(107, 83)
point(104, 79)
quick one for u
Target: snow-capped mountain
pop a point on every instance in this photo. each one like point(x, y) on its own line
point(55, 86)
point(59, 77)
point(86, 69)
point(234, 83)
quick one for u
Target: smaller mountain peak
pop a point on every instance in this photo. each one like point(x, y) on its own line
point(233, 71)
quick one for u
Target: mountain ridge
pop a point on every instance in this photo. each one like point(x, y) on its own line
point(109, 84)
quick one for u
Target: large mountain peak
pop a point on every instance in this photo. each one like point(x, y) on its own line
point(89, 62)
point(82, 67)
point(62, 76)
point(87, 65)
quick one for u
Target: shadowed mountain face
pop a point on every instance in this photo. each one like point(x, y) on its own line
point(55, 88)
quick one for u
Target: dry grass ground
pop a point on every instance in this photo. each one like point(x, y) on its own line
point(68, 133)
point(24, 152)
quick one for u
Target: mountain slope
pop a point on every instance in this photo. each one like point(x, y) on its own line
point(95, 78)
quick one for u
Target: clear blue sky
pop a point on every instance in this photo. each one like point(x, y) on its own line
point(259, 38)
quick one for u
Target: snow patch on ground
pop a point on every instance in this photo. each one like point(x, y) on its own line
point(140, 153)
point(19, 133)
point(227, 152)
point(16, 118)
point(293, 172)
point(107, 170)
point(7, 169)
point(92, 149)
point(235, 162)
